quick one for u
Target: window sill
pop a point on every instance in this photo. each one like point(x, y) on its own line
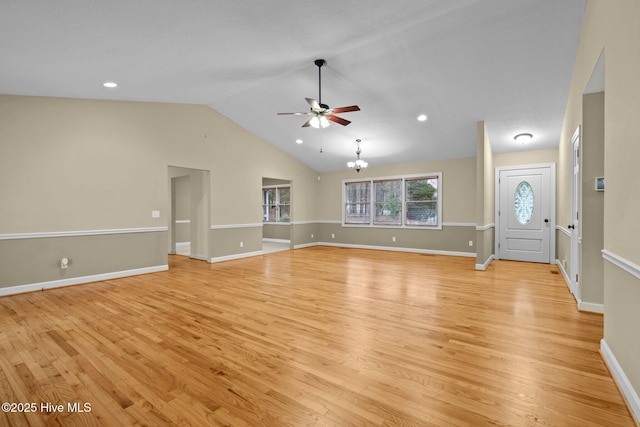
point(395, 227)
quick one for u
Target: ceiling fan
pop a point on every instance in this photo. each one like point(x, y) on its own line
point(321, 113)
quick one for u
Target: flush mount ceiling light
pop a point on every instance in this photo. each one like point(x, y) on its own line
point(358, 164)
point(523, 138)
point(422, 118)
point(110, 85)
point(298, 141)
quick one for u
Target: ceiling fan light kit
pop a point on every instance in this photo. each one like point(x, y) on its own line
point(318, 122)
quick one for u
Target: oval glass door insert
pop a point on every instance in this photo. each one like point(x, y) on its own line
point(523, 202)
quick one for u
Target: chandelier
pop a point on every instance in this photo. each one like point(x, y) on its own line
point(359, 163)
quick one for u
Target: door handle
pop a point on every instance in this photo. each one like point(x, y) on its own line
point(546, 220)
point(571, 226)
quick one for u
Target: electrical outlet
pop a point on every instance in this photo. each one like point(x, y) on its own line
point(470, 242)
point(64, 263)
point(312, 235)
point(333, 236)
point(155, 214)
point(242, 244)
point(393, 239)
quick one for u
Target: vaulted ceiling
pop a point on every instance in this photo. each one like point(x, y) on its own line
point(505, 62)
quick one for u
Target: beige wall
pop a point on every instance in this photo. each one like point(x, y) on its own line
point(449, 240)
point(592, 202)
point(484, 197)
point(612, 27)
point(278, 231)
point(525, 158)
point(458, 192)
point(37, 260)
point(83, 165)
point(458, 187)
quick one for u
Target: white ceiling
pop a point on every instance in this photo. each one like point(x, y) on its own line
point(505, 62)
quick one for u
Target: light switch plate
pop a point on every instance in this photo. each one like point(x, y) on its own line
point(155, 214)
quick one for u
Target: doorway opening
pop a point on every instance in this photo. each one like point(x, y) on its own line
point(276, 215)
point(189, 219)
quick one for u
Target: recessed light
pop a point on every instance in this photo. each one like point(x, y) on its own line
point(298, 141)
point(523, 137)
point(422, 118)
point(110, 85)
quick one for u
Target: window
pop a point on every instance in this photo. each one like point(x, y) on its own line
point(406, 201)
point(388, 204)
point(422, 201)
point(523, 202)
point(276, 204)
point(357, 204)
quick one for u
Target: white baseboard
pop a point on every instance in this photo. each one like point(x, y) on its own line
point(199, 257)
point(397, 249)
point(630, 395)
point(486, 264)
point(590, 307)
point(183, 244)
point(305, 245)
point(346, 245)
point(79, 280)
point(276, 240)
point(236, 256)
point(564, 274)
point(582, 306)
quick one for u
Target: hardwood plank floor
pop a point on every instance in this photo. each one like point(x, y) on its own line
point(316, 336)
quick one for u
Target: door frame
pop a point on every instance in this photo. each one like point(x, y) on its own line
point(552, 205)
point(574, 226)
point(200, 213)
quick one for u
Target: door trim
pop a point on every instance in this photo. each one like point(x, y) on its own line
point(576, 232)
point(552, 205)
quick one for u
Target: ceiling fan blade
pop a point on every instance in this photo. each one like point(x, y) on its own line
point(307, 113)
point(346, 109)
point(307, 123)
point(313, 103)
point(337, 119)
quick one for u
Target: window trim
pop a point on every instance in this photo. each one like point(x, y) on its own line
point(402, 178)
point(277, 187)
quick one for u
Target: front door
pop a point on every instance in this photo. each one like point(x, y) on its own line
point(525, 214)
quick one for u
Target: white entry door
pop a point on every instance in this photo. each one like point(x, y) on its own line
point(525, 214)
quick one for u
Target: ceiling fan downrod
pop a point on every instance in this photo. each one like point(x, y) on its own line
point(320, 63)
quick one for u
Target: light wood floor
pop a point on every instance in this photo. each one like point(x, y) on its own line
point(317, 336)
